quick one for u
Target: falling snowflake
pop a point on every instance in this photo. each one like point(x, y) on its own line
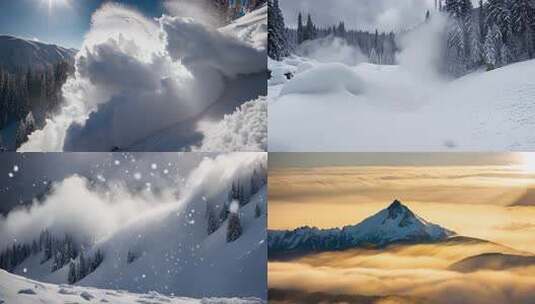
point(165, 171)
point(137, 175)
point(15, 168)
point(154, 166)
point(143, 276)
point(25, 270)
point(117, 162)
point(10, 175)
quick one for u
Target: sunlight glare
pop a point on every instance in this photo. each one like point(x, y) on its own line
point(55, 3)
point(528, 161)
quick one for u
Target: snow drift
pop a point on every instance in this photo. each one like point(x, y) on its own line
point(17, 289)
point(325, 78)
point(135, 77)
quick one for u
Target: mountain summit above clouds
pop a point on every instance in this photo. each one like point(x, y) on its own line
point(394, 224)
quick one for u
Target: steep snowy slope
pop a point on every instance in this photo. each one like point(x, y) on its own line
point(251, 28)
point(397, 223)
point(392, 108)
point(179, 245)
point(17, 289)
point(20, 54)
point(174, 255)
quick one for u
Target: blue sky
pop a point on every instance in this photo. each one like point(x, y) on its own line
point(63, 24)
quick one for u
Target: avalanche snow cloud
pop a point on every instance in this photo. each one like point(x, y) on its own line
point(77, 207)
point(165, 229)
point(137, 77)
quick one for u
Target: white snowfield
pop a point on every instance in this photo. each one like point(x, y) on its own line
point(15, 289)
point(367, 107)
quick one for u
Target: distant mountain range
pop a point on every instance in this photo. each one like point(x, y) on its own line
point(395, 224)
point(17, 54)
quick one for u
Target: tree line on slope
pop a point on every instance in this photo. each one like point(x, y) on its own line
point(495, 34)
point(240, 194)
point(379, 47)
point(60, 251)
point(27, 97)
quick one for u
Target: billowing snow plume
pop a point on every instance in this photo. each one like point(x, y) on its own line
point(80, 209)
point(331, 49)
point(422, 49)
point(135, 76)
point(75, 209)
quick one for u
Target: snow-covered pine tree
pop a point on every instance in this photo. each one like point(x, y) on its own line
point(277, 45)
point(341, 30)
point(374, 58)
point(476, 48)
point(523, 26)
point(492, 47)
point(499, 14)
point(25, 128)
point(455, 48)
point(300, 29)
point(459, 28)
point(71, 277)
point(506, 55)
point(98, 258)
point(212, 221)
point(223, 215)
point(482, 24)
point(310, 29)
point(82, 266)
point(459, 9)
point(234, 228)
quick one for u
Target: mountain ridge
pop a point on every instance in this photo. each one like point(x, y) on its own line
point(394, 224)
point(19, 54)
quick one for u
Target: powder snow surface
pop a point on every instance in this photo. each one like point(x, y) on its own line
point(16, 289)
point(367, 107)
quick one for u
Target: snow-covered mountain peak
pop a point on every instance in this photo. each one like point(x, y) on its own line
point(397, 208)
point(394, 224)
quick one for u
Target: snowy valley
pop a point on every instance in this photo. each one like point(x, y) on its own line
point(454, 83)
